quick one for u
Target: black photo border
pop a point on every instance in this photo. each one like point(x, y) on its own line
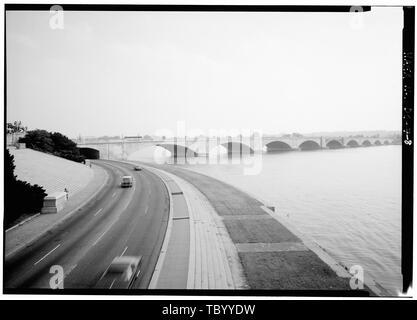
point(407, 142)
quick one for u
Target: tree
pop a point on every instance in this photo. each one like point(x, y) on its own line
point(9, 167)
point(20, 197)
point(15, 127)
point(61, 142)
point(38, 140)
point(54, 143)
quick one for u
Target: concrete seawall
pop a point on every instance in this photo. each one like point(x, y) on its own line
point(272, 255)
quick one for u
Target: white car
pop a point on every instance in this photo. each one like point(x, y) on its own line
point(121, 273)
point(127, 181)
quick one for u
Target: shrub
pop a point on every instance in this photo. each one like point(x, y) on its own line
point(20, 197)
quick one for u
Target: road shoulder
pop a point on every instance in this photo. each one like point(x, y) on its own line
point(20, 236)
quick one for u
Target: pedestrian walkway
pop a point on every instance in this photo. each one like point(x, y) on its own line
point(23, 235)
point(271, 254)
point(171, 270)
point(197, 252)
point(215, 262)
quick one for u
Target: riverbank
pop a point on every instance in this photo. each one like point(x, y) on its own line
point(272, 256)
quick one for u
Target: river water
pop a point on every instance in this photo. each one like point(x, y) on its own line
point(347, 200)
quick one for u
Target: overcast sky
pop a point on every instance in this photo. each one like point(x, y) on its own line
point(112, 73)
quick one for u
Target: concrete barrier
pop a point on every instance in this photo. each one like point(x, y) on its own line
point(54, 203)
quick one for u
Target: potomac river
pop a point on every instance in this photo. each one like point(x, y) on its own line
point(347, 200)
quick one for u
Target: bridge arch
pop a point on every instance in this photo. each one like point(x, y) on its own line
point(237, 147)
point(334, 144)
point(352, 144)
point(377, 143)
point(366, 143)
point(178, 150)
point(275, 146)
point(309, 145)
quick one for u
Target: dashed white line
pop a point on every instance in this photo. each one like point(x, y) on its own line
point(123, 251)
point(114, 194)
point(101, 236)
point(112, 283)
point(47, 254)
point(98, 212)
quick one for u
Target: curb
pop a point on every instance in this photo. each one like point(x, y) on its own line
point(64, 218)
point(191, 259)
point(158, 267)
point(23, 222)
point(167, 237)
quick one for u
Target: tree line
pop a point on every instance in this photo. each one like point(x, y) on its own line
point(54, 143)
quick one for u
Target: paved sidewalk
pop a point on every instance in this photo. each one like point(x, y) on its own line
point(171, 270)
point(272, 256)
point(213, 260)
point(20, 236)
point(215, 263)
point(197, 252)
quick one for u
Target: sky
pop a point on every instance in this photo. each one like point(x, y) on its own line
point(129, 73)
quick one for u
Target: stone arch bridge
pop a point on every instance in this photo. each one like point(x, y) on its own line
point(203, 146)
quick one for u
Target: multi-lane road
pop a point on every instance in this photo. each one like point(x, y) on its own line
point(119, 221)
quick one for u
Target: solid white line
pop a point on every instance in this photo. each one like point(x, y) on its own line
point(123, 251)
point(47, 254)
point(98, 212)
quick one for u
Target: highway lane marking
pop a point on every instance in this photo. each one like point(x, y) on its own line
point(112, 283)
point(102, 235)
point(146, 210)
point(114, 194)
point(47, 254)
point(98, 212)
point(123, 251)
